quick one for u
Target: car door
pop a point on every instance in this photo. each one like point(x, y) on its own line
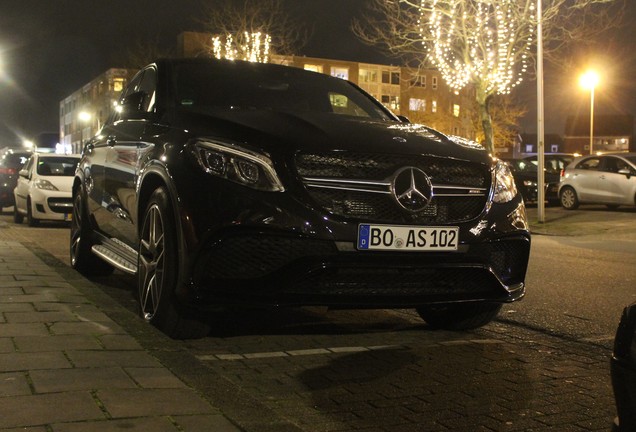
point(617, 188)
point(586, 178)
point(21, 191)
point(123, 139)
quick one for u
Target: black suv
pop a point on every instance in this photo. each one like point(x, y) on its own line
point(226, 184)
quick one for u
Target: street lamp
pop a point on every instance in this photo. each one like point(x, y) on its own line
point(589, 80)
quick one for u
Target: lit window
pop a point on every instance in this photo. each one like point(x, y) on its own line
point(340, 72)
point(434, 83)
point(313, 68)
point(118, 84)
point(417, 104)
point(367, 76)
point(391, 102)
point(456, 110)
point(434, 106)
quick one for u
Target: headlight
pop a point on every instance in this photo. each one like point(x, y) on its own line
point(238, 165)
point(44, 184)
point(529, 183)
point(505, 188)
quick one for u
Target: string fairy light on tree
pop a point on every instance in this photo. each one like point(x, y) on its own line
point(253, 47)
point(485, 43)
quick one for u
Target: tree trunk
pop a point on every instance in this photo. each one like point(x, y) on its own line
point(483, 101)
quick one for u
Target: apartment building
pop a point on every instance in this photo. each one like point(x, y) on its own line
point(419, 95)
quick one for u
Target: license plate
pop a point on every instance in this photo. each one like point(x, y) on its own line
point(407, 238)
point(68, 216)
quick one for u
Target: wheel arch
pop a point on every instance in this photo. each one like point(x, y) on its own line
point(156, 176)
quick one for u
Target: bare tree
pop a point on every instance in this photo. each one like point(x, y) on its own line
point(240, 21)
point(142, 52)
point(482, 43)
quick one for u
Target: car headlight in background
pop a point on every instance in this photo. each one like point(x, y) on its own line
point(45, 185)
point(238, 165)
point(505, 188)
point(529, 183)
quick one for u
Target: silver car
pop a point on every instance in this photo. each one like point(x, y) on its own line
point(608, 179)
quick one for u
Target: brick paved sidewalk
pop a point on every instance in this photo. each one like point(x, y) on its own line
point(66, 366)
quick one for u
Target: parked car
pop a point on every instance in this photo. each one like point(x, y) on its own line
point(43, 191)
point(239, 184)
point(553, 163)
point(599, 179)
point(526, 179)
point(10, 164)
point(623, 371)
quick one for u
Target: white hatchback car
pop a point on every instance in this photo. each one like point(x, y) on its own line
point(608, 179)
point(43, 191)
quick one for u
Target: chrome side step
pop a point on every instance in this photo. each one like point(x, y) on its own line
point(117, 254)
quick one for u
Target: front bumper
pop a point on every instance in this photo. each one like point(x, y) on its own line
point(51, 205)
point(303, 257)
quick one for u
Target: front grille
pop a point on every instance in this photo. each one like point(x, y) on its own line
point(451, 283)
point(508, 259)
point(247, 257)
point(60, 205)
point(359, 186)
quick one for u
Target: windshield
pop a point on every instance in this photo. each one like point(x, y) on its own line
point(632, 159)
point(523, 166)
point(57, 166)
point(209, 86)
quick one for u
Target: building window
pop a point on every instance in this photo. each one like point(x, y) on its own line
point(434, 106)
point(391, 102)
point(368, 76)
point(390, 78)
point(340, 72)
point(418, 81)
point(313, 68)
point(434, 83)
point(118, 84)
point(417, 104)
point(456, 110)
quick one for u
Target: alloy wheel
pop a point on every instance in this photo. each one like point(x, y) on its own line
point(151, 262)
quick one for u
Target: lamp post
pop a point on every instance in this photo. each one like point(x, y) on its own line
point(589, 80)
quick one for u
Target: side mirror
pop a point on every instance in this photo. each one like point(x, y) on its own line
point(626, 172)
point(24, 173)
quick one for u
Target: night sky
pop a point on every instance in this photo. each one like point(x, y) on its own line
point(50, 48)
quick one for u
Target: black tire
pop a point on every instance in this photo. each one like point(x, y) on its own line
point(459, 316)
point(82, 259)
point(158, 274)
point(30, 219)
point(17, 216)
point(569, 199)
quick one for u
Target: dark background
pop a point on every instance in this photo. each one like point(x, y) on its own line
point(50, 48)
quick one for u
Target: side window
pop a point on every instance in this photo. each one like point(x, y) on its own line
point(28, 165)
point(148, 87)
point(589, 164)
point(610, 164)
point(139, 97)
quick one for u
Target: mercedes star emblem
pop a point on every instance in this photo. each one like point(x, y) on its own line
point(412, 189)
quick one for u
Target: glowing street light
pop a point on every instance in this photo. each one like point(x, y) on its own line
point(589, 80)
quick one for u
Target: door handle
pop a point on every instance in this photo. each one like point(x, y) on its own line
point(111, 140)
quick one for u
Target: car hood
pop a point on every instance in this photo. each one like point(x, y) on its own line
point(314, 132)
